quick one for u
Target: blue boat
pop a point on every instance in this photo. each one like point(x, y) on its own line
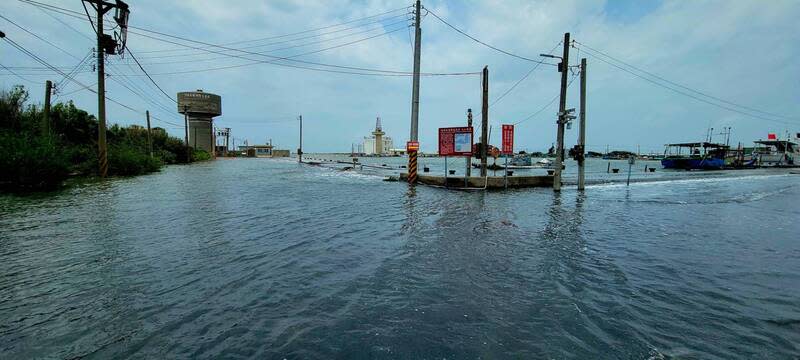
point(700, 156)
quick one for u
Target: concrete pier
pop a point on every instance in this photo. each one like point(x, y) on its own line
point(491, 182)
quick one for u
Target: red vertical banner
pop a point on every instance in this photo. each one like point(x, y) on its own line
point(508, 139)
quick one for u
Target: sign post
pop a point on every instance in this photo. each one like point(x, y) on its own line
point(456, 141)
point(508, 148)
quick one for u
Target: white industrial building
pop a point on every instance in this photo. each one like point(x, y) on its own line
point(378, 143)
point(368, 146)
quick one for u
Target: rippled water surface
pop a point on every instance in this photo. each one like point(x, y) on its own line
point(259, 258)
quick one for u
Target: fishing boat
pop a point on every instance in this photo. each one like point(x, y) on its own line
point(776, 153)
point(694, 156)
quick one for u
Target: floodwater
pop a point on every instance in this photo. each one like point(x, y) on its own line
point(260, 258)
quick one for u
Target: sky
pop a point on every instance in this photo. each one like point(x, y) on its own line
point(742, 53)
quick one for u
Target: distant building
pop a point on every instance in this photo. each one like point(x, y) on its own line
point(257, 150)
point(262, 151)
point(378, 143)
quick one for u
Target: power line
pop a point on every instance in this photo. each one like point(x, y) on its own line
point(46, 64)
point(18, 75)
point(150, 77)
point(683, 92)
point(139, 91)
point(38, 37)
point(682, 86)
point(69, 77)
point(77, 90)
point(523, 78)
point(304, 31)
point(553, 100)
point(485, 44)
point(346, 69)
point(294, 40)
point(283, 48)
point(64, 23)
point(90, 16)
point(598, 53)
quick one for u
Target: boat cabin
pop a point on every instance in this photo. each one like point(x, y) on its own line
point(776, 153)
point(694, 156)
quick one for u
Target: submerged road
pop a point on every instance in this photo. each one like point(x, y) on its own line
point(260, 258)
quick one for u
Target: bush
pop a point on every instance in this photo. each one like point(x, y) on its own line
point(31, 162)
point(200, 155)
point(33, 159)
point(125, 160)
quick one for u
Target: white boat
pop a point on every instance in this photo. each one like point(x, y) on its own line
point(541, 164)
point(776, 153)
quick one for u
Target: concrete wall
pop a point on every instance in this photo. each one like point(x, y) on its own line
point(200, 134)
point(491, 182)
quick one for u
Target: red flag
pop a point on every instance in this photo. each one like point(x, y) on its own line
point(772, 137)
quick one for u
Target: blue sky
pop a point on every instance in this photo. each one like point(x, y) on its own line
point(741, 52)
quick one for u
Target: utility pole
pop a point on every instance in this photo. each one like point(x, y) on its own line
point(469, 158)
point(562, 115)
point(48, 89)
point(227, 140)
point(186, 132)
point(106, 44)
point(484, 120)
point(102, 148)
point(300, 149)
point(149, 136)
point(582, 131)
point(412, 154)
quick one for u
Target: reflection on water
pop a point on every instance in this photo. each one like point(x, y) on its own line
point(272, 259)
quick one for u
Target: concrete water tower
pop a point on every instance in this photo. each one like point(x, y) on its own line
point(200, 108)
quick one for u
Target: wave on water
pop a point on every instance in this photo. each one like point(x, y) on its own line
point(609, 184)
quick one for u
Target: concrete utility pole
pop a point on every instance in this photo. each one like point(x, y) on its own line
point(106, 43)
point(562, 115)
point(102, 148)
point(484, 120)
point(300, 149)
point(186, 132)
point(412, 154)
point(213, 137)
point(582, 131)
point(227, 140)
point(469, 158)
point(149, 134)
point(48, 89)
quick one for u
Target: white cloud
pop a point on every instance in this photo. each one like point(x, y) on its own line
point(741, 51)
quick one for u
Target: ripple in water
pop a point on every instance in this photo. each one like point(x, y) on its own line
point(254, 258)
